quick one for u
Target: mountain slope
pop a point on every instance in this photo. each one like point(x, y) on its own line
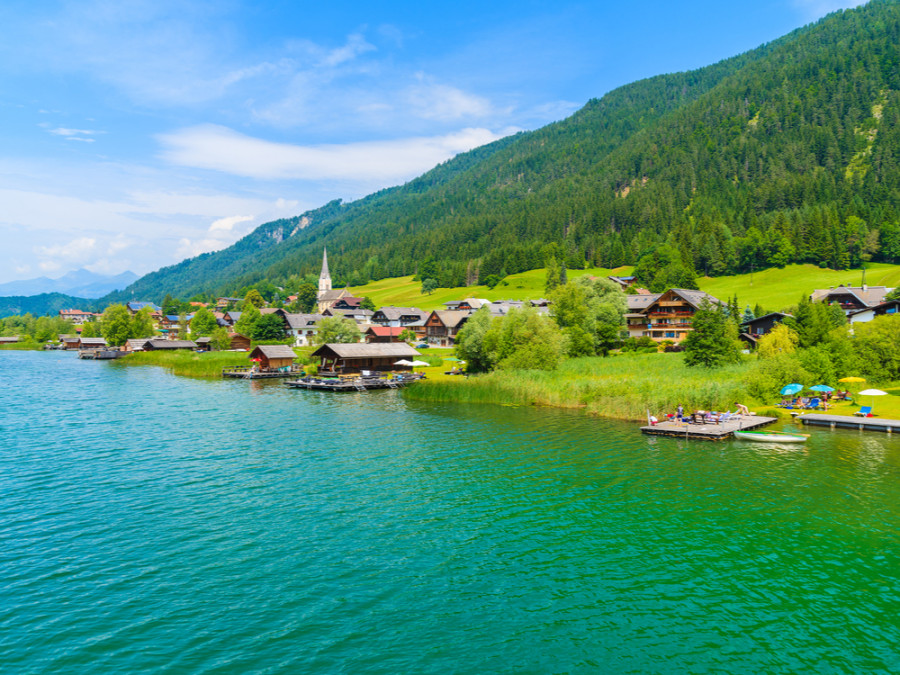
point(788, 153)
point(81, 283)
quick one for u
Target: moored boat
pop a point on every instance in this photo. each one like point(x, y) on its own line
point(771, 436)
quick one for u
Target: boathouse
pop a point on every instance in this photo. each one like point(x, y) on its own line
point(92, 343)
point(355, 357)
point(273, 357)
point(239, 342)
point(163, 344)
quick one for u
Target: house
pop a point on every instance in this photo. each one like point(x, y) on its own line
point(273, 357)
point(851, 298)
point(361, 316)
point(469, 304)
point(76, 316)
point(869, 313)
point(69, 341)
point(442, 326)
point(348, 302)
point(204, 344)
point(302, 327)
point(171, 323)
point(135, 307)
point(135, 344)
point(399, 316)
point(157, 344)
point(353, 358)
point(384, 333)
point(670, 315)
point(9, 340)
point(636, 321)
point(751, 331)
point(239, 342)
point(222, 303)
point(91, 343)
point(231, 317)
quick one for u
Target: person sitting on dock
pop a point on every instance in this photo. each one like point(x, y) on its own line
point(742, 409)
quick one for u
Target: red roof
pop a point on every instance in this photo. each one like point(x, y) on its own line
point(386, 331)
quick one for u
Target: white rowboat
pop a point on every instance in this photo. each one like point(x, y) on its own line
point(771, 436)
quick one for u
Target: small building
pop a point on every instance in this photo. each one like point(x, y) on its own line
point(442, 326)
point(69, 341)
point(399, 316)
point(751, 331)
point(239, 342)
point(223, 302)
point(869, 313)
point(9, 340)
point(273, 357)
point(384, 333)
point(302, 327)
point(356, 357)
point(91, 343)
point(469, 304)
point(204, 344)
point(157, 344)
point(135, 307)
point(135, 344)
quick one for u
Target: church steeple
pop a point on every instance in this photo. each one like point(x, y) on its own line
point(325, 276)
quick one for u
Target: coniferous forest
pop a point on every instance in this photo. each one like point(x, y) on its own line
point(787, 153)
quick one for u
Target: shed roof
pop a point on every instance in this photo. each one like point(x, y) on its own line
point(392, 313)
point(452, 318)
point(297, 321)
point(172, 344)
point(99, 341)
point(366, 350)
point(274, 352)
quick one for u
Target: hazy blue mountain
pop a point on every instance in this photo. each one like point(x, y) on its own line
point(79, 283)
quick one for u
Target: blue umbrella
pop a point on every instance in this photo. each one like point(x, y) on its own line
point(791, 389)
point(822, 388)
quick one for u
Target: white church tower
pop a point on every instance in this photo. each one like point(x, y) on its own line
point(325, 276)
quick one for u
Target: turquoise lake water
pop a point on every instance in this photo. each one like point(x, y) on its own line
point(150, 523)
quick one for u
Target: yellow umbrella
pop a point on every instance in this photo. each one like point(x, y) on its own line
point(852, 379)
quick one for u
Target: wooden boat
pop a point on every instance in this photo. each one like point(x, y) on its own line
point(771, 436)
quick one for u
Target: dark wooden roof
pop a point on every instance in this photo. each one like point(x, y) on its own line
point(366, 350)
point(274, 352)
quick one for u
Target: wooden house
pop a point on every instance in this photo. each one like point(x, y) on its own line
point(70, 341)
point(135, 344)
point(348, 302)
point(204, 344)
point(751, 331)
point(670, 315)
point(91, 343)
point(239, 342)
point(442, 326)
point(157, 344)
point(356, 357)
point(851, 298)
point(869, 313)
point(273, 357)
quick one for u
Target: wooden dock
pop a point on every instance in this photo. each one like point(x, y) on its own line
point(248, 373)
point(845, 422)
point(710, 431)
point(348, 384)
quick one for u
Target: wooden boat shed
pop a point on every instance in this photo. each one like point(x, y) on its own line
point(273, 356)
point(356, 357)
point(157, 344)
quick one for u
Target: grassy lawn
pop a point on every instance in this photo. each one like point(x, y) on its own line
point(776, 289)
point(404, 292)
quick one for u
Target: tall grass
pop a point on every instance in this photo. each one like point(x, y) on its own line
point(187, 363)
point(623, 386)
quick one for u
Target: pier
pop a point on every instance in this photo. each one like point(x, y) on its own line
point(251, 373)
point(708, 431)
point(350, 384)
point(844, 422)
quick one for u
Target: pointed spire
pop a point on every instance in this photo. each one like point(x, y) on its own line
point(325, 274)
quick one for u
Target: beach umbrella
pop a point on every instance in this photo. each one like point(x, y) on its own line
point(403, 362)
point(418, 364)
point(872, 392)
point(791, 389)
point(822, 387)
point(852, 379)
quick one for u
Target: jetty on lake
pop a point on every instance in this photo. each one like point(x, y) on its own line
point(348, 384)
point(707, 431)
point(845, 422)
point(267, 362)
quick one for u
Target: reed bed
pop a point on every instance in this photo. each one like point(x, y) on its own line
point(186, 363)
point(623, 386)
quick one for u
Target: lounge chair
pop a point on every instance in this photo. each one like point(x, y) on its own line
point(813, 404)
point(864, 411)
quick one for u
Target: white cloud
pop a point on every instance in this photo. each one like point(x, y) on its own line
point(817, 8)
point(444, 103)
point(77, 249)
point(227, 224)
point(221, 149)
point(188, 248)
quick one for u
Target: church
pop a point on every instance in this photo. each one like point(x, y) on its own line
point(326, 298)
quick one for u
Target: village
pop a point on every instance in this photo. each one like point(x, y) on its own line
point(389, 337)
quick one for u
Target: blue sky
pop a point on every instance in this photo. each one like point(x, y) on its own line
point(138, 133)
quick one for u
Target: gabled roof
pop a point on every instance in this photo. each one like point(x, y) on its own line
point(451, 318)
point(297, 321)
point(392, 313)
point(639, 302)
point(867, 295)
point(93, 342)
point(386, 331)
point(694, 298)
point(765, 316)
point(171, 344)
point(136, 306)
point(367, 350)
point(274, 352)
point(881, 307)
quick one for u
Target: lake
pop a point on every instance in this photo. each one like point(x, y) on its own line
point(150, 523)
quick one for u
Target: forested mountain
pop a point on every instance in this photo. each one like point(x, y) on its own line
point(788, 153)
point(43, 304)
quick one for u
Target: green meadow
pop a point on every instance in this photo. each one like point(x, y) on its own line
point(773, 289)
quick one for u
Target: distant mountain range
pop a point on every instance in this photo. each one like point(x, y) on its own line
point(80, 283)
